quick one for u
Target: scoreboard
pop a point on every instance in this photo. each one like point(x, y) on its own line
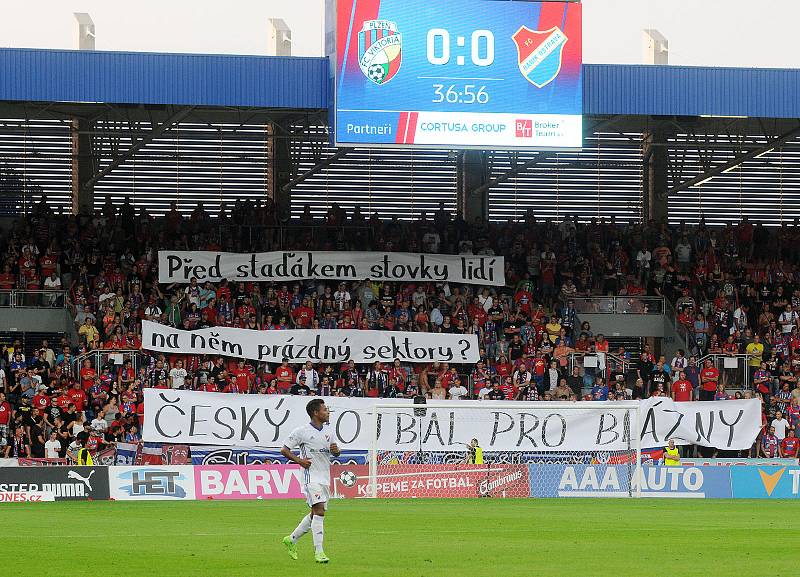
point(458, 74)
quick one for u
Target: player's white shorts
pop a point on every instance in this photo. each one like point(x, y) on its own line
point(316, 493)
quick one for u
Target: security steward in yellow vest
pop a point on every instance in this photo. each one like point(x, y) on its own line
point(475, 453)
point(671, 456)
point(84, 457)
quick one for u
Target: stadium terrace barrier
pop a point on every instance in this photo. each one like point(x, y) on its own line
point(248, 482)
point(440, 481)
point(271, 481)
point(613, 481)
point(770, 482)
point(187, 482)
point(730, 480)
point(18, 298)
point(637, 305)
point(65, 483)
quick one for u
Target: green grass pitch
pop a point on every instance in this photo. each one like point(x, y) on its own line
point(415, 538)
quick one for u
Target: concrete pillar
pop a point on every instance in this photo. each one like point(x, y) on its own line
point(473, 171)
point(84, 39)
point(656, 47)
point(281, 170)
point(280, 38)
point(82, 197)
point(656, 163)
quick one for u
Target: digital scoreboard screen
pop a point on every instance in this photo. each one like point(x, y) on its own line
point(458, 74)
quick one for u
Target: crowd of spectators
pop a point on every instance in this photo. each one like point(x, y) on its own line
point(736, 289)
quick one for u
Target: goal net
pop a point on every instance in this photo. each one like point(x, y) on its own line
point(498, 449)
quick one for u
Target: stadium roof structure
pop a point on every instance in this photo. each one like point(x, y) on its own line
point(192, 127)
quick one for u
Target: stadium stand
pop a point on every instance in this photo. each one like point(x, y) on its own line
point(734, 292)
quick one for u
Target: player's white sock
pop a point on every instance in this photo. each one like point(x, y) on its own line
point(317, 532)
point(302, 528)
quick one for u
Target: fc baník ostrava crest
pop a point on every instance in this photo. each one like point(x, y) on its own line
point(539, 54)
point(380, 50)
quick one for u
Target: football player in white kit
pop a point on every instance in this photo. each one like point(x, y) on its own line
point(315, 443)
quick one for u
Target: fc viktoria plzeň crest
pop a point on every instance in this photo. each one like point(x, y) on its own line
point(539, 54)
point(380, 50)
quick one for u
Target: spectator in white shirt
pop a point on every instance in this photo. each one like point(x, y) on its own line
point(431, 240)
point(787, 320)
point(486, 300)
point(106, 295)
point(99, 422)
point(457, 391)
point(643, 258)
point(310, 374)
point(419, 298)
point(53, 283)
point(52, 447)
point(781, 425)
point(177, 375)
point(678, 364)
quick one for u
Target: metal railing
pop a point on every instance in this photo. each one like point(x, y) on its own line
point(598, 364)
point(620, 305)
point(20, 298)
point(277, 237)
point(734, 369)
point(116, 357)
point(680, 328)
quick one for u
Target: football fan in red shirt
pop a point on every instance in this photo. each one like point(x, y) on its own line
point(303, 315)
point(41, 401)
point(5, 414)
point(709, 377)
point(503, 367)
point(235, 386)
point(244, 375)
point(769, 447)
point(682, 389)
point(7, 279)
point(87, 374)
point(77, 397)
point(246, 309)
point(790, 445)
point(48, 263)
point(285, 376)
point(209, 387)
point(63, 401)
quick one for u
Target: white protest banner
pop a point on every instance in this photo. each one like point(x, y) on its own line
point(265, 421)
point(182, 266)
point(323, 346)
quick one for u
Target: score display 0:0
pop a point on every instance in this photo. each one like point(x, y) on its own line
point(475, 47)
point(467, 96)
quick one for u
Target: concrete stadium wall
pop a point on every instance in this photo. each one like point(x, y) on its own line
point(36, 320)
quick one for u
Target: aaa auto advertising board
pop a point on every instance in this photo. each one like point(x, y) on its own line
point(432, 481)
point(620, 481)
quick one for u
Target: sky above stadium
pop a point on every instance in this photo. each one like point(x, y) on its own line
point(700, 32)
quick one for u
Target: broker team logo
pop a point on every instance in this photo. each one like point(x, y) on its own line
point(540, 54)
point(380, 50)
point(523, 128)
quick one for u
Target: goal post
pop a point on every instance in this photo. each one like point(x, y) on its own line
point(501, 449)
